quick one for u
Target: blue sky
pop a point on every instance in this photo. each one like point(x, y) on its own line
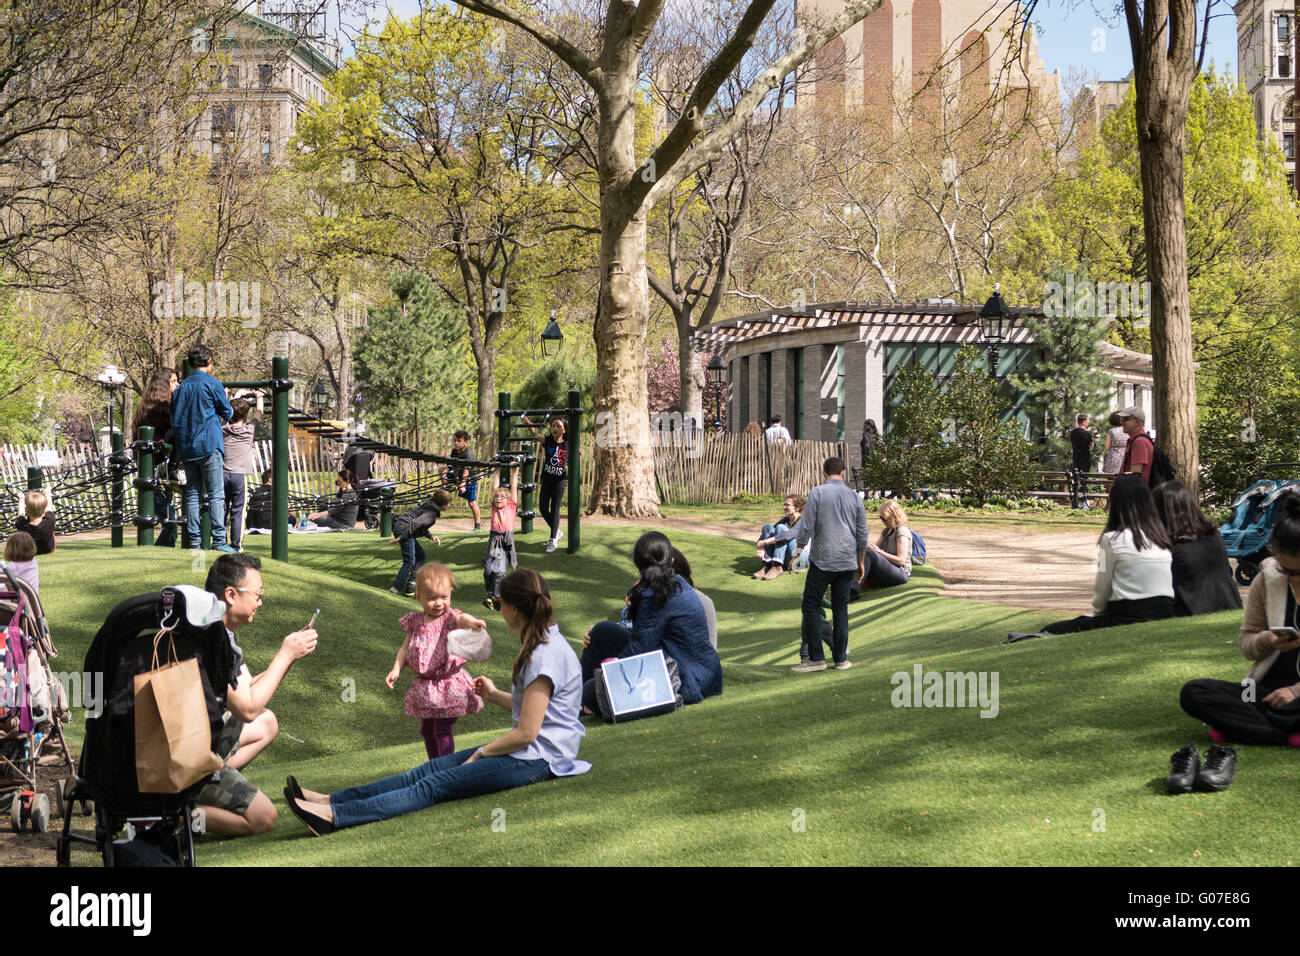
point(1067, 36)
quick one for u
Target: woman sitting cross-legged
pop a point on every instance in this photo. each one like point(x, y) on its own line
point(666, 614)
point(776, 545)
point(1134, 581)
point(542, 744)
point(1265, 707)
point(1202, 576)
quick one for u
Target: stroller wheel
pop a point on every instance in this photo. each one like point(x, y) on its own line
point(61, 807)
point(1245, 572)
point(41, 814)
point(16, 813)
point(372, 522)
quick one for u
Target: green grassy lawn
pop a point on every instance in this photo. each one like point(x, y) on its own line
point(1069, 771)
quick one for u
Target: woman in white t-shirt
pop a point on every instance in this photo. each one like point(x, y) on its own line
point(1135, 580)
point(542, 743)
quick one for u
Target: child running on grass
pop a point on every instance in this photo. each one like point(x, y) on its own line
point(442, 691)
point(499, 559)
point(409, 526)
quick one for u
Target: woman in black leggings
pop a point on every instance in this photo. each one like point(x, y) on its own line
point(555, 475)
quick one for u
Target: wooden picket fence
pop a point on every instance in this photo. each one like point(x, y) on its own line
point(728, 465)
point(16, 459)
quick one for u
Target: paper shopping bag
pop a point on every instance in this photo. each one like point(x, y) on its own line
point(173, 739)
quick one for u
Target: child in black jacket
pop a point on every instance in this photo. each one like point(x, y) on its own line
point(409, 526)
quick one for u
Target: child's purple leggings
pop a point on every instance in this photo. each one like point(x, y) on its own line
point(436, 731)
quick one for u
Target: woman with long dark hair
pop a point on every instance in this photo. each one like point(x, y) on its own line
point(1134, 581)
point(666, 613)
point(1202, 576)
point(155, 410)
point(1270, 640)
point(542, 743)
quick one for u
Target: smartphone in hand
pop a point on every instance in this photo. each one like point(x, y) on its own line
point(312, 622)
point(1290, 633)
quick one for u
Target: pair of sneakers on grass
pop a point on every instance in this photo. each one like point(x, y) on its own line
point(1187, 772)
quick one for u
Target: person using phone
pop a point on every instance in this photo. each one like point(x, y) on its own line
point(1265, 707)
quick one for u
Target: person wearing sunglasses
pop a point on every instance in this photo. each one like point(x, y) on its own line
point(232, 806)
point(1265, 707)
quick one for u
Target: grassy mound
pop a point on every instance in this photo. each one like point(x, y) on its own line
point(780, 769)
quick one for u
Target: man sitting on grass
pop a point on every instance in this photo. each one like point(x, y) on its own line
point(231, 806)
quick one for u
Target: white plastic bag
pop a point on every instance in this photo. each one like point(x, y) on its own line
point(473, 645)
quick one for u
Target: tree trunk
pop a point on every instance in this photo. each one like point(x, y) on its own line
point(487, 395)
point(692, 376)
point(623, 457)
point(1163, 72)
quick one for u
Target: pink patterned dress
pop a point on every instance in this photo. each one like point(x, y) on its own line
point(442, 689)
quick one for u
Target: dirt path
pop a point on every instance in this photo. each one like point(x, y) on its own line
point(1043, 569)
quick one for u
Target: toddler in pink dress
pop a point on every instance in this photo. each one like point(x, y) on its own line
point(442, 690)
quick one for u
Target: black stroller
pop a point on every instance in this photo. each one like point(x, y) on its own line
point(159, 826)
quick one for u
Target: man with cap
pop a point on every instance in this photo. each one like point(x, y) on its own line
point(1140, 451)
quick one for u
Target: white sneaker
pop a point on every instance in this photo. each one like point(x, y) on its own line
point(558, 536)
point(808, 667)
point(550, 546)
point(844, 665)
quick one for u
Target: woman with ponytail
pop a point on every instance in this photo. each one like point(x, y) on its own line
point(665, 613)
point(1270, 714)
point(542, 743)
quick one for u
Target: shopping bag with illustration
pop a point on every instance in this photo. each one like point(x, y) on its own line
point(173, 738)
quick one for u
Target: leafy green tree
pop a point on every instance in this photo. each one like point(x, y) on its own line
point(1250, 419)
point(548, 387)
point(412, 362)
point(911, 454)
point(989, 456)
point(1066, 379)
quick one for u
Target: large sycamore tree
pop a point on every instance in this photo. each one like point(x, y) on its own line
point(630, 186)
point(1162, 34)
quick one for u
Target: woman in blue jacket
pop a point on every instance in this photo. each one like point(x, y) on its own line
point(666, 614)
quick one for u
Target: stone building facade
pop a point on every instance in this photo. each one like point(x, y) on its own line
point(1266, 49)
point(827, 368)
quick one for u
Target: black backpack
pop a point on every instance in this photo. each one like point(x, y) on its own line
point(1162, 469)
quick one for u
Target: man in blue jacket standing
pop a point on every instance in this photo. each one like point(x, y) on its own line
point(199, 407)
point(837, 524)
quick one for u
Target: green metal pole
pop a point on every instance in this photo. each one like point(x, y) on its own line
point(35, 479)
point(503, 432)
point(117, 506)
point(528, 496)
point(575, 471)
point(144, 483)
point(280, 459)
point(386, 512)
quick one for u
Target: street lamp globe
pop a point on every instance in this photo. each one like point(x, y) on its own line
point(552, 337)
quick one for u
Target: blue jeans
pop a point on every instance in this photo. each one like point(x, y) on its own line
point(814, 586)
point(235, 489)
point(206, 474)
point(167, 535)
point(777, 553)
point(440, 780)
point(412, 558)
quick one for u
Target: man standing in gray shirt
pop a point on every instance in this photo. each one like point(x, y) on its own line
point(837, 524)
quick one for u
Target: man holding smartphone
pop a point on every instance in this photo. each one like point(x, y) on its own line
point(231, 806)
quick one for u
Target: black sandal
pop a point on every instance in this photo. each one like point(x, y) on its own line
point(318, 826)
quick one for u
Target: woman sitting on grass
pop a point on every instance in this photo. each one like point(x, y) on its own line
point(1134, 580)
point(889, 562)
point(666, 614)
point(542, 743)
point(1202, 576)
point(1270, 640)
point(776, 545)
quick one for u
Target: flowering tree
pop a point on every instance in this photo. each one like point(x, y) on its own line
point(663, 378)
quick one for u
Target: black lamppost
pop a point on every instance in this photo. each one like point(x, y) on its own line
point(552, 338)
point(717, 370)
point(320, 398)
point(995, 323)
point(112, 380)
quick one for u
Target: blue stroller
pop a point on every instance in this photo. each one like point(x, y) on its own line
point(1253, 515)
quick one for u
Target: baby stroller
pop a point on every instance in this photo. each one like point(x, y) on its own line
point(1254, 513)
point(158, 824)
point(372, 491)
point(33, 707)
